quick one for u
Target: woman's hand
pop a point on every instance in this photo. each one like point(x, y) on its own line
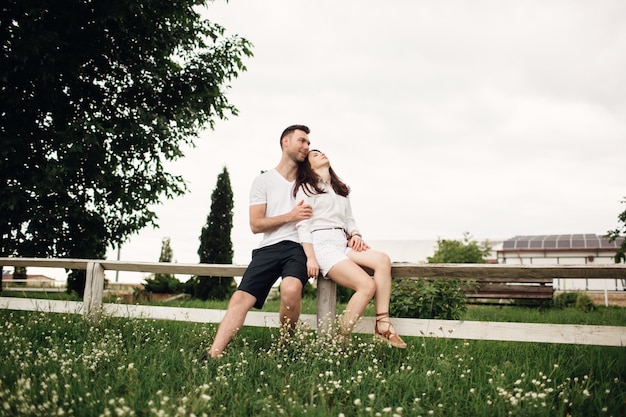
point(312, 268)
point(357, 243)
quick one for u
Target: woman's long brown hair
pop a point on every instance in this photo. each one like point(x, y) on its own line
point(309, 181)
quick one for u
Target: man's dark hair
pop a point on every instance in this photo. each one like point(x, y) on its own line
point(289, 131)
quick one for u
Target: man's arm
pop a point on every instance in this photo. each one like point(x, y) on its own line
point(261, 224)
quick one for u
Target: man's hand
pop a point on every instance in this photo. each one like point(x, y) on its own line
point(301, 211)
point(261, 224)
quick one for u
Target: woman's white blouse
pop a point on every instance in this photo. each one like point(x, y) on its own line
point(329, 210)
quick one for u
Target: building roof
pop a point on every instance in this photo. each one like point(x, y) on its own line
point(36, 277)
point(560, 242)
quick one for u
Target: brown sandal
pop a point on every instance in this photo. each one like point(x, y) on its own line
point(388, 336)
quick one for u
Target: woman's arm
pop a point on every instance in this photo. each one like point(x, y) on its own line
point(312, 267)
point(355, 239)
point(306, 238)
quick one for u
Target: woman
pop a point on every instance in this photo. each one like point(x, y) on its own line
point(324, 237)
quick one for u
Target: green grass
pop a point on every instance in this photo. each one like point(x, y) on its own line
point(58, 364)
point(601, 315)
point(40, 295)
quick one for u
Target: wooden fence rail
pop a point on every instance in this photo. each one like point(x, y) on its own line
point(92, 306)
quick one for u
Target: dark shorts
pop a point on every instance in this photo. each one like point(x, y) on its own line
point(282, 259)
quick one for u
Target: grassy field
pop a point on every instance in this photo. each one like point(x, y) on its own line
point(58, 364)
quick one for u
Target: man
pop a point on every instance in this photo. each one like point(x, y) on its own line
point(273, 212)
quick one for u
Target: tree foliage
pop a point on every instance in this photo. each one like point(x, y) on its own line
point(460, 251)
point(167, 254)
point(95, 97)
point(619, 233)
point(20, 273)
point(216, 246)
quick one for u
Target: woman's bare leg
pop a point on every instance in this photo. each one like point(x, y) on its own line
point(348, 274)
point(380, 263)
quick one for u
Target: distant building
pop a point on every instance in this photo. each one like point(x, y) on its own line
point(40, 281)
point(575, 249)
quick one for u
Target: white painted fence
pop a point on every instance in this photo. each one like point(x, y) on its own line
point(92, 306)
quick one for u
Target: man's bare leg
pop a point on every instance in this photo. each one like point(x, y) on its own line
point(290, 302)
point(240, 303)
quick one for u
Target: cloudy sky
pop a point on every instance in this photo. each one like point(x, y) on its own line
point(497, 118)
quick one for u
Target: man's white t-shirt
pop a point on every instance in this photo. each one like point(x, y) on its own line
point(273, 190)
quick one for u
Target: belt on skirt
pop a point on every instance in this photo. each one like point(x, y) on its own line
point(330, 228)
point(345, 232)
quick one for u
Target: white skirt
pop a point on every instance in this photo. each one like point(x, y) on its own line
point(330, 247)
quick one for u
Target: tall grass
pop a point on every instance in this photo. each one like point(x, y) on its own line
point(58, 364)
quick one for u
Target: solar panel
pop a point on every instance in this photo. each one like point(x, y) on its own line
point(549, 244)
point(508, 244)
point(572, 241)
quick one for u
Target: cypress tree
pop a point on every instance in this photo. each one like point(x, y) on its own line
point(215, 242)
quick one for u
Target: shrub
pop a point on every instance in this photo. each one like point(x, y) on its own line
point(211, 287)
point(428, 298)
point(574, 299)
point(163, 284)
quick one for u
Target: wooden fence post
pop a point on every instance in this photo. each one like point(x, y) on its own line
point(326, 304)
point(94, 288)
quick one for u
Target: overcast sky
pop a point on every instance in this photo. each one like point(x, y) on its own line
point(499, 118)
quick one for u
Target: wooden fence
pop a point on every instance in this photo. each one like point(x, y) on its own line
point(92, 306)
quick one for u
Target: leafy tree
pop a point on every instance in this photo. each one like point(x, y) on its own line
point(619, 233)
point(88, 246)
point(95, 97)
point(460, 251)
point(164, 283)
point(76, 281)
point(216, 246)
point(19, 273)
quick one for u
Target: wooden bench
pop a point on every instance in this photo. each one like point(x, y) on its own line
point(526, 291)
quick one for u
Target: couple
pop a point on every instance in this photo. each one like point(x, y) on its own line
point(302, 207)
